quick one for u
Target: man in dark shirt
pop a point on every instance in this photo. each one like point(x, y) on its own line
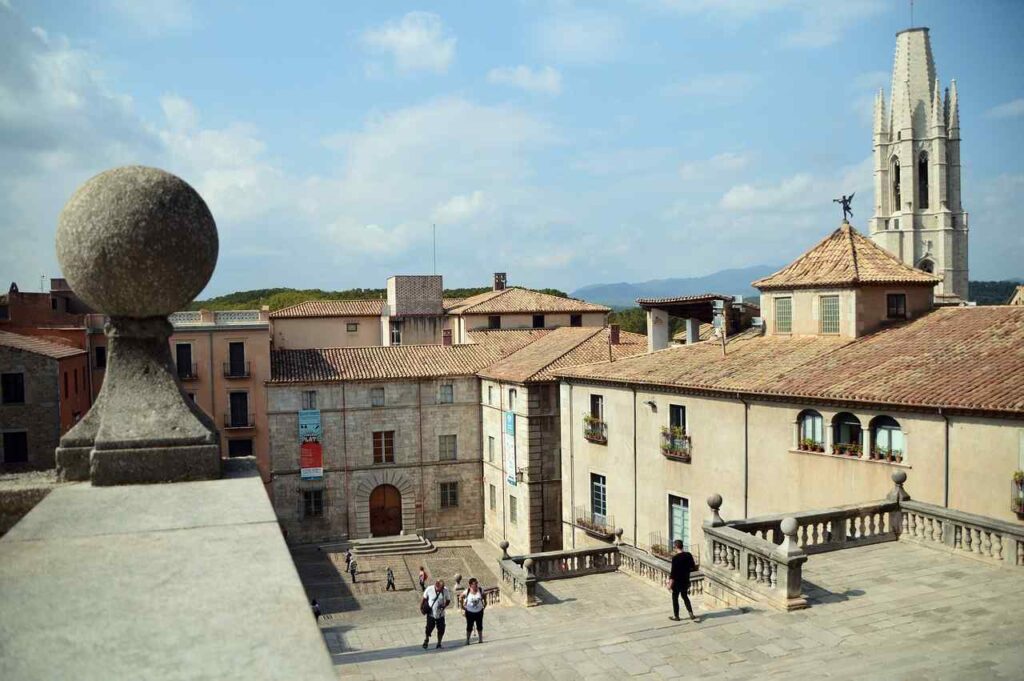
point(679, 579)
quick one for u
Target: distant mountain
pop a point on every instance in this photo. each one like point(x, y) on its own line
point(733, 281)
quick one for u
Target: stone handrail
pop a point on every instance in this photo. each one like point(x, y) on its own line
point(831, 529)
point(654, 569)
point(519, 585)
point(988, 539)
point(492, 596)
point(574, 563)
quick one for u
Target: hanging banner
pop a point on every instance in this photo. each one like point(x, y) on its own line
point(309, 425)
point(311, 461)
point(510, 447)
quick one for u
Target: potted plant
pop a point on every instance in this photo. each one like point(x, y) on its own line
point(1017, 493)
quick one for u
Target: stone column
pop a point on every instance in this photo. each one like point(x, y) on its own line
point(692, 330)
point(657, 329)
point(137, 244)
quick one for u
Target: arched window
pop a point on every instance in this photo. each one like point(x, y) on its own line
point(811, 435)
point(927, 266)
point(886, 439)
point(922, 180)
point(846, 440)
point(894, 174)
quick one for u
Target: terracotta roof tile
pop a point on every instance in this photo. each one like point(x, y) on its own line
point(845, 258)
point(967, 358)
point(514, 300)
point(38, 346)
point(331, 308)
point(697, 298)
point(563, 347)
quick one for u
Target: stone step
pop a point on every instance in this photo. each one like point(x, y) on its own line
point(392, 546)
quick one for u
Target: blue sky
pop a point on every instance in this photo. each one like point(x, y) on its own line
point(565, 143)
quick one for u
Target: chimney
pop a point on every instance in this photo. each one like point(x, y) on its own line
point(446, 337)
point(499, 281)
point(613, 334)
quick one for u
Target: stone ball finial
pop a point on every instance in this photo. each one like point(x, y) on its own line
point(137, 242)
point(503, 545)
point(528, 564)
point(899, 477)
point(715, 501)
point(789, 526)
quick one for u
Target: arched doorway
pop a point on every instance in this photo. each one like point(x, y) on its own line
point(385, 511)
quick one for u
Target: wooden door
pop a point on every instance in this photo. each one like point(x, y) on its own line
point(385, 511)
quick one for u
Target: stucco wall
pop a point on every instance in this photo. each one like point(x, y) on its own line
point(861, 310)
point(872, 309)
point(525, 321)
point(325, 332)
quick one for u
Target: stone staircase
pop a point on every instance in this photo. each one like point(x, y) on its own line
point(392, 546)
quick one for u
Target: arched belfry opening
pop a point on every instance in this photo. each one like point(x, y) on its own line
point(922, 180)
point(894, 173)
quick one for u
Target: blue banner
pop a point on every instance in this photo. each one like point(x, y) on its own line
point(309, 425)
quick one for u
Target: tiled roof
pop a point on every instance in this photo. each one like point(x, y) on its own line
point(563, 347)
point(514, 300)
point(331, 308)
point(967, 358)
point(404, 361)
point(698, 298)
point(845, 258)
point(38, 346)
point(705, 332)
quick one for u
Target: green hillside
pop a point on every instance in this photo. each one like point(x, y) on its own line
point(277, 298)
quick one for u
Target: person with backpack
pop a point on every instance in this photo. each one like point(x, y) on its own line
point(679, 580)
point(390, 578)
point(473, 604)
point(435, 599)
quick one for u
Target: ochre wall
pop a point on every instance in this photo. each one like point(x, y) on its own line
point(325, 332)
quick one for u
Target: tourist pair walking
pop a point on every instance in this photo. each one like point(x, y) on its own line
point(435, 602)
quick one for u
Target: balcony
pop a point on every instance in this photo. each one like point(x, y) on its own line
point(810, 445)
point(675, 444)
point(887, 454)
point(237, 370)
point(236, 421)
point(188, 372)
point(598, 525)
point(595, 429)
point(852, 449)
point(1017, 493)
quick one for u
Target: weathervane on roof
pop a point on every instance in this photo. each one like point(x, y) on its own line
point(845, 201)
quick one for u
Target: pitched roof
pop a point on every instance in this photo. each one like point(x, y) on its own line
point(845, 258)
point(39, 346)
point(397, 362)
point(698, 298)
point(331, 308)
point(563, 347)
point(966, 358)
point(704, 332)
point(520, 300)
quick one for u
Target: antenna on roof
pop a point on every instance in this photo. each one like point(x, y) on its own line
point(434, 237)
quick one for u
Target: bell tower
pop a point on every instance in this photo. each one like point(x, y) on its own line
point(918, 215)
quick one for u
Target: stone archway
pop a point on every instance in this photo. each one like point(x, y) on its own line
point(368, 481)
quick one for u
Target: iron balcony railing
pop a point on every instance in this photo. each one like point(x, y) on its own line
point(239, 420)
point(188, 372)
point(598, 524)
point(675, 445)
point(236, 370)
point(595, 429)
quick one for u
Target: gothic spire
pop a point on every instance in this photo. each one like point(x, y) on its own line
point(954, 109)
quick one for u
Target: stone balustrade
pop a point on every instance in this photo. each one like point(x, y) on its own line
point(993, 541)
point(654, 569)
point(492, 596)
point(831, 529)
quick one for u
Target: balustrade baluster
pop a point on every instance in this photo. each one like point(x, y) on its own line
point(765, 572)
point(774, 575)
point(998, 540)
point(967, 542)
point(977, 542)
point(986, 543)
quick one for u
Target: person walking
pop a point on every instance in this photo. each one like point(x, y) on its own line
point(423, 578)
point(473, 604)
point(435, 599)
point(679, 580)
point(316, 609)
point(390, 577)
point(348, 558)
point(352, 569)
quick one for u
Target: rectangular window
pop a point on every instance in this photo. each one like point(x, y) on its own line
point(828, 319)
point(598, 498)
point(100, 354)
point(5, 312)
point(65, 385)
point(490, 448)
point(538, 321)
point(597, 407)
point(309, 399)
point(512, 399)
point(576, 320)
point(492, 497)
point(384, 446)
point(396, 333)
point(494, 322)
point(12, 388)
point(490, 394)
point(75, 372)
point(16, 447)
point(236, 359)
point(679, 520)
point(447, 447)
point(513, 510)
point(191, 396)
point(183, 360)
point(446, 393)
point(313, 503)
point(352, 327)
point(677, 416)
point(239, 448)
point(239, 403)
point(783, 315)
point(449, 494)
point(376, 397)
point(896, 306)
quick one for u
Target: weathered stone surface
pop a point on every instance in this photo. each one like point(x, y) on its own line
point(137, 242)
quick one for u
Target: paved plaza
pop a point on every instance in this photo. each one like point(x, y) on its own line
point(890, 611)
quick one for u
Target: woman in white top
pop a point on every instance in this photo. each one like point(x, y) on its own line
point(474, 605)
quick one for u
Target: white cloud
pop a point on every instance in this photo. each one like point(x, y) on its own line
point(624, 161)
point(717, 88)
point(728, 162)
point(179, 112)
point(580, 37)
point(459, 208)
point(154, 17)
point(802, 192)
point(418, 41)
point(546, 80)
point(1011, 109)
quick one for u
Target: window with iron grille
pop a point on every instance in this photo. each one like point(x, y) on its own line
point(449, 494)
point(490, 448)
point(783, 315)
point(376, 397)
point(309, 399)
point(493, 497)
point(896, 306)
point(384, 446)
point(447, 447)
point(12, 388)
point(513, 510)
point(828, 319)
point(446, 393)
point(313, 503)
